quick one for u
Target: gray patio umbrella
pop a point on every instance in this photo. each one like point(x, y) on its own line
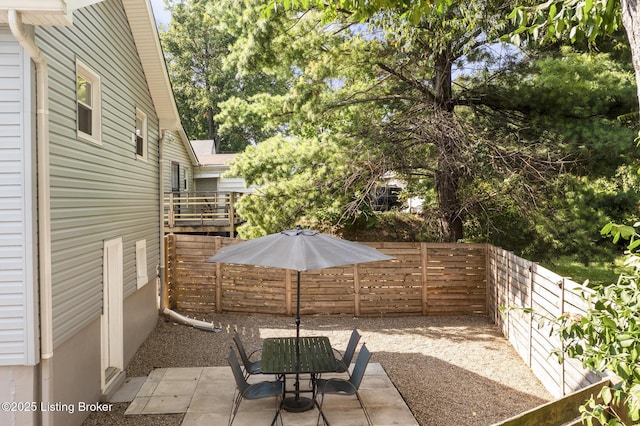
point(299, 250)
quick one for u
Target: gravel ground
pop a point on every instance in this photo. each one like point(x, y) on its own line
point(450, 370)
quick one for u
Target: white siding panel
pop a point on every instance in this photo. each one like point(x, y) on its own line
point(18, 338)
point(232, 185)
point(98, 192)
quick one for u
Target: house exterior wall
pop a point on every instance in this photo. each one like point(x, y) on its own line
point(98, 192)
point(19, 339)
point(173, 150)
point(232, 185)
point(76, 363)
point(208, 184)
point(18, 315)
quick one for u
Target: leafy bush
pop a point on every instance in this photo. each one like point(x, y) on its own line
point(607, 338)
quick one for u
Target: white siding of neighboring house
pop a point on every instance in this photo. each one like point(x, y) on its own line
point(18, 316)
point(226, 184)
point(98, 192)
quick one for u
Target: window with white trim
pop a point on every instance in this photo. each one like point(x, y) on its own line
point(140, 136)
point(88, 104)
point(141, 263)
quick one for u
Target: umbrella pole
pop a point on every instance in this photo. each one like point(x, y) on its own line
point(297, 384)
point(296, 404)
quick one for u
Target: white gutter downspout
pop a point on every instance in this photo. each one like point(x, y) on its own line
point(44, 209)
point(162, 267)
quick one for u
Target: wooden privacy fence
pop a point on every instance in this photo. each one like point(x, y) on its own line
point(519, 283)
point(423, 279)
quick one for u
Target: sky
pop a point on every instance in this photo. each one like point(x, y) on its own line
point(161, 15)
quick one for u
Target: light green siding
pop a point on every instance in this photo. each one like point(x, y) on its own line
point(18, 326)
point(98, 192)
point(175, 151)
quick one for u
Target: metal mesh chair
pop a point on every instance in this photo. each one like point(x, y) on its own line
point(258, 390)
point(345, 386)
point(250, 367)
point(344, 362)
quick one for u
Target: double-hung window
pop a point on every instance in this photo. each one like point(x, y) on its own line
point(89, 113)
point(140, 137)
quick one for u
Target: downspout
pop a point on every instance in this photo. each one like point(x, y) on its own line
point(44, 209)
point(162, 266)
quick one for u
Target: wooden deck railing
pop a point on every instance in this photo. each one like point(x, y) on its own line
point(201, 210)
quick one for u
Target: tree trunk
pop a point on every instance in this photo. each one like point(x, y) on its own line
point(630, 19)
point(448, 173)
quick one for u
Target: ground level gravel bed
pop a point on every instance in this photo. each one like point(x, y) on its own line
point(450, 370)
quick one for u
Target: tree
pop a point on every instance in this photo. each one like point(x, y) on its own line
point(197, 45)
point(396, 77)
point(495, 139)
point(547, 21)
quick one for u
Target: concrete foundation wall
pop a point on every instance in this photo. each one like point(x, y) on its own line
point(19, 390)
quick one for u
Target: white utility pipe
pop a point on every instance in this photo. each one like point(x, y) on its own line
point(44, 208)
point(208, 326)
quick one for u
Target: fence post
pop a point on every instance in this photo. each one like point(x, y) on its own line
point(488, 281)
point(171, 215)
point(530, 302)
point(356, 290)
point(425, 276)
point(508, 292)
point(217, 244)
point(563, 365)
point(232, 214)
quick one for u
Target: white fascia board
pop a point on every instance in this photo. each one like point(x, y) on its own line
point(205, 175)
point(44, 12)
point(27, 6)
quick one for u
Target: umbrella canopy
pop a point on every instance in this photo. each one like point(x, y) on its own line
point(299, 250)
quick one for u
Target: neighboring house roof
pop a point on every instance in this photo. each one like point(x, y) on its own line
point(145, 34)
point(206, 153)
point(216, 159)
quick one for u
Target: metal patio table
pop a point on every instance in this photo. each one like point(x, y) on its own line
point(311, 355)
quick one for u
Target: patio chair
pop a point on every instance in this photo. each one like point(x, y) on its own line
point(257, 390)
point(250, 367)
point(344, 362)
point(345, 387)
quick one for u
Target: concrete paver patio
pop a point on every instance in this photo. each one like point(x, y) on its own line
point(205, 395)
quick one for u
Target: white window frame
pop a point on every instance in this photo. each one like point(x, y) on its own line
point(141, 263)
point(83, 71)
point(140, 115)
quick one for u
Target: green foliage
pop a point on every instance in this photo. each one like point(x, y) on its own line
point(298, 179)
point(199, 44)
point(369, 95)
point(597, 272)
point(575, 20)
point(607, 338)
